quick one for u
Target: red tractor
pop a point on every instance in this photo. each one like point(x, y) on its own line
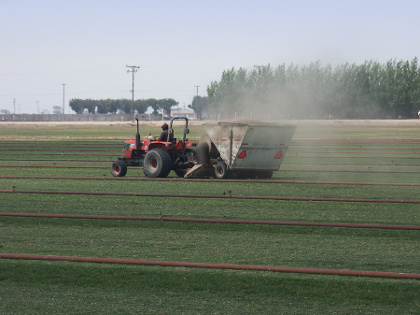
point(157, 158)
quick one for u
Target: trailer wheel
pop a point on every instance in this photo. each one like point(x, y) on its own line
point(118, 168)
point(157, 163)
point(221, 171)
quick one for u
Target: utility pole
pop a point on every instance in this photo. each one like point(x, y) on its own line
point(133, 70)
point(197, 86)
point(37, 107)
point(64, 93)
point(14, 106)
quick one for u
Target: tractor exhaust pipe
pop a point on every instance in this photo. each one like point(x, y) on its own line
point(137, 136)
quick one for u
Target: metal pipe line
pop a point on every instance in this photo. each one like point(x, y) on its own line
point(206, 196)
point(337, 272)
point(289, 163)
point(270, 181)
point(282, 170)
point(221, 221)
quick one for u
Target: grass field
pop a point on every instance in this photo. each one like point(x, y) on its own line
point(368, 160)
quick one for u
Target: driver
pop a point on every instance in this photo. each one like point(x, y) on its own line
point(164, 135)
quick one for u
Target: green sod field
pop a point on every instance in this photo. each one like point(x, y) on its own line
point(376, 163)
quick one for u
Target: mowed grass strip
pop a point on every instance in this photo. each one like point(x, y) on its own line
point(280, 175)
point(60, 287)
point(216, 188)
point(31, 286)
point(317, 247)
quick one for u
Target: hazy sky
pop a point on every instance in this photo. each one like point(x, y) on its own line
point(180, 44)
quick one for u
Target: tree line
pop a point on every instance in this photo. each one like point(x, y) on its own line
point(368, 90)
point(114, 106)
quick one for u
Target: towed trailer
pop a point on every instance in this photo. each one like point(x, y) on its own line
point(241, 149)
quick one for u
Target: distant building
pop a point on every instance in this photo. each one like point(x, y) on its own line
point(181, 112)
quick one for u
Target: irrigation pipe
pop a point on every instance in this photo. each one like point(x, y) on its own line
point(350, 171)
point(68, 160)
point(228, 196)
point(52, 166)
point(113, 149)
point(65, 150)
point(312, 163)
point(55, 153)
point(282, 170)
point(290, 155)
point(358, 143)
point(270, 181)
point(223, 221)
point(362, 152)
point(337, 272)
point(289, 163)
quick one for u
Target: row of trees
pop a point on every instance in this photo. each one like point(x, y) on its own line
point(121, 105)
point(368, 90)
point(200, 106)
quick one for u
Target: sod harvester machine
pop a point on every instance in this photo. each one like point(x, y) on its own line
point(238, 149)
point(241, 149)
point(157, 158)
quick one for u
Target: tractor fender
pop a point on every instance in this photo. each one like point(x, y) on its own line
point(158, 145)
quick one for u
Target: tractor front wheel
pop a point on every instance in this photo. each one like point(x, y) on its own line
point(157, 163)
point(118, 168)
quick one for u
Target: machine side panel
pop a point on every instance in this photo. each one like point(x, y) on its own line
point(263, 147)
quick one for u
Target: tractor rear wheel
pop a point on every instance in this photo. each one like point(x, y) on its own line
point(157, 163)
point(118, 168)
point(221, 171)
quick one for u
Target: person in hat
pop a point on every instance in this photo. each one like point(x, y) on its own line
point(164, 135)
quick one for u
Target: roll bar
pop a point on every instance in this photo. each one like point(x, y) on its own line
point(186, 130)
